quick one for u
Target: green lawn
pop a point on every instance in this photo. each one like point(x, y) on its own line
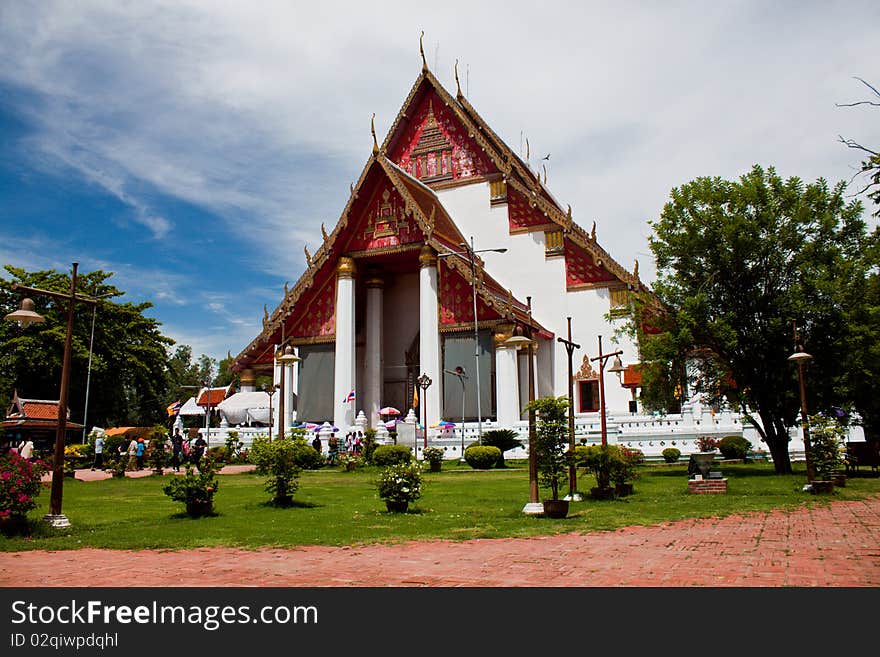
point(342, 508)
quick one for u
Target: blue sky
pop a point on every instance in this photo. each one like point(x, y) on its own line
point(194, 148)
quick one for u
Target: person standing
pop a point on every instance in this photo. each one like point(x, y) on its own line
point(176, 449)
point(316, 443)
point(132, 454)
point(198, 450)
point(99, 453)
point(140, 449)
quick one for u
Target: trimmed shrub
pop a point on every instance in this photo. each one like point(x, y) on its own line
point(217, 453)
point(304, 455)
point(671, 454)
point(385, 455)
point(482, 457)
point(277, 460)
point(734, 447)
point(503, 439)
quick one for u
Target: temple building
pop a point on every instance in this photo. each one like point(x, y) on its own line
point(387, 296)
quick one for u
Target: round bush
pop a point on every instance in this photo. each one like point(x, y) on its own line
point(734, 447)
point(671, 454)
point(482, 457)
point(385, 455)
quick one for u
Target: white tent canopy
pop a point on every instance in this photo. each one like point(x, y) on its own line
point(191, 408)
point(247, 407)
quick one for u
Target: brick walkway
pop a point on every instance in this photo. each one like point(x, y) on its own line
point(837, 545)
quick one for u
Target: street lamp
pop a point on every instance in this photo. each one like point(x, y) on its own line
point(27, 315)
point(570, 346)
point(269, 391)
point(460, 373)
point(802, 358)
point(286, 358)
point(424, 382)
point(533, 506)
point(618, 369)
point(471, 255)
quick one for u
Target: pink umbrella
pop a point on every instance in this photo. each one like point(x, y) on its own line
point(390, 424)
point(389, 410)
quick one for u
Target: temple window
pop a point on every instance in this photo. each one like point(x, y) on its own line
point(588, 396)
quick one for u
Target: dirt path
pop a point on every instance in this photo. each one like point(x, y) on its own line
point(832, 546)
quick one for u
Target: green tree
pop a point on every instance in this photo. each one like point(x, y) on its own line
point(129, 377)
point(551, 441)
point(738, 264)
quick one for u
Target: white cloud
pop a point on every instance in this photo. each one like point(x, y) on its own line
point(261, 112)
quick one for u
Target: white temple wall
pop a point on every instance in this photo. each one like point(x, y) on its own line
point(526, 271)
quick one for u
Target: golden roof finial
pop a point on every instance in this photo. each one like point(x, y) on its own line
point(308, 255)
point(527, 150)
point(593, 232)
point(636, 269)
point(323, 231)
point(422, 52)
point(544, 167)
point(373, 132)
point(457, 83)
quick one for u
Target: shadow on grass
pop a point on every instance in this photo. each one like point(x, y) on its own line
point(183, 515)
point(289, 504)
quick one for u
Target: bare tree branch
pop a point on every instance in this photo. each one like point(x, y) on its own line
point(854, 144)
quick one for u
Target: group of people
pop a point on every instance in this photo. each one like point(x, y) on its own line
point(352, 444)
point(183, 451)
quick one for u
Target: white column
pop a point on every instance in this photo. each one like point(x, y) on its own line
point(373, 359)
point(344, 373)
point(506, 379)
point(291, 388)
point(429, 335)
point(294, 389)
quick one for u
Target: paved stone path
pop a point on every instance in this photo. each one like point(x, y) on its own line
point(837, 545)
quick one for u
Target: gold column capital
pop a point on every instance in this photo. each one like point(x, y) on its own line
point(346, 267)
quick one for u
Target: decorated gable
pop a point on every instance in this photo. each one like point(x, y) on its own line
point(522, 217)
point(314, 315)
point(382, 222)
point(582, 271)
point(436, 148)
point(457, 301)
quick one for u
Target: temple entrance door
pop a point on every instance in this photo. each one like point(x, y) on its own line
point(397, 391)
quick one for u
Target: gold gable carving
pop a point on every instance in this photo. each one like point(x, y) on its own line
point(586, 371)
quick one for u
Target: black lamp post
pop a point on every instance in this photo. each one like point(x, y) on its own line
point(269, 390)
point(570, 346)
point(24, 316)
point(802, 358)
point(618, 369)
point(424, 382)
point(460, 373)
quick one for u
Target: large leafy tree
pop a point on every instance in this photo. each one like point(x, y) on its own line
point(129, 382)
point(739, 263)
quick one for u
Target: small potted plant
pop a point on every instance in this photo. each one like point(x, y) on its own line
point(827, 451)
point(551, 449)
point(195, 490)
point(434, 456)
point(399, 485)
point(349, 461)
point(601, 461)
point(623, 470)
